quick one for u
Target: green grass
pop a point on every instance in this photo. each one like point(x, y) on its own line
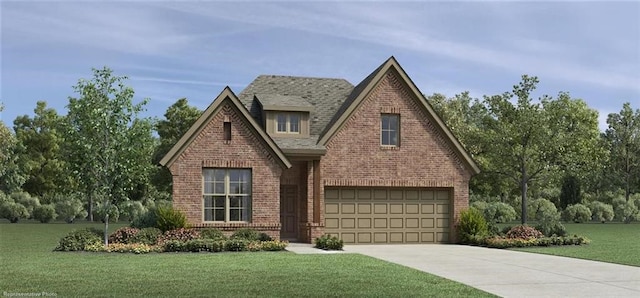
point(611, 242)
point(28, 265)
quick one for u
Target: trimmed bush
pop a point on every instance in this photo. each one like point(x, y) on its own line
point(328, 242)
point(45, 213)
point(136, 248)
point(147, 236)
point(543, 210)
point(274, 245)
point(79, 239)
point(498, 212)
point(577, 213)
point(168, 218)
point(625, 211)
point(69, 208)
point(179, 235)
point(26, 200)
point(472, 226)
point(132, 209)
point(524, 232)
point(245, 234)
point(236, 244)
point(123, 235)
point(264, 237)
point(213, 234)
point(601, 212)
point(147, 219)
point(552, 228)
point(114, 212)
point(13, 211)
point(480, 205)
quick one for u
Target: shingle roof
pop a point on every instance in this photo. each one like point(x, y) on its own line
point(324, 94)
point(268, 100)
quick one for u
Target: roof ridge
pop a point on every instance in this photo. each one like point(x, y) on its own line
point(302, 77)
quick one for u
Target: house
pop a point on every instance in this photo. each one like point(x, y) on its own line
point(297, 157)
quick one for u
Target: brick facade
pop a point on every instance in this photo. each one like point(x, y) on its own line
point(424, 159)
point(245, 150)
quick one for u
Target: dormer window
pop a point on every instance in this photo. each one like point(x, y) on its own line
point(288, 122)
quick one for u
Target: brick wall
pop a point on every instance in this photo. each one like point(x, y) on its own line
point(245, 150)
point(423, 159)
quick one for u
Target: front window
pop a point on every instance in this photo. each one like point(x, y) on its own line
point(390, 130)
point(227, 195)
point(288, 122)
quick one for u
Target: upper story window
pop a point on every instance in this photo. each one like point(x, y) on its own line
point(288, 122)
point(390, 130)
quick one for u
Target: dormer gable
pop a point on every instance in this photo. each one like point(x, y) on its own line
point(285, 116)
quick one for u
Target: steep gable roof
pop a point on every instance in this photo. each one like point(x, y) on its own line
point(196, 128)
point(363, 89)
point(325, 95)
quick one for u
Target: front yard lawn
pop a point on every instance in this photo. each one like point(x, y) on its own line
point(610, 242)
point(28, 265)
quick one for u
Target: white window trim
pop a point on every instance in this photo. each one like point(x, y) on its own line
point(226, 194)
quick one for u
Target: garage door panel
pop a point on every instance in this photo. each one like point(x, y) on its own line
point(331, 223)
point(348, 208)
point(427, 208)
point(396, 237)
point(380, 208)
point(348, 223)
point(390, 215)
point(380, 223)
point(364, 208)
point(396, 223)
point(396, 208)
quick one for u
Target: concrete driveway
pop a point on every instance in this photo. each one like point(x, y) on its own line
point(510, 273)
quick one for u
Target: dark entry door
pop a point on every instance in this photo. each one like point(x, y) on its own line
point(289, 212)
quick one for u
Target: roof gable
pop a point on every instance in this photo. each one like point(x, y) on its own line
point(362, 90)
point(196, 128)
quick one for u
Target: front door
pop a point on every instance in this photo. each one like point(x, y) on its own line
point(289, 212)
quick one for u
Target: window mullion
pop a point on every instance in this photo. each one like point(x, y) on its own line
point(227, 185)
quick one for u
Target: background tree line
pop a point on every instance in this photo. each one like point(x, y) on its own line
point(100, 159)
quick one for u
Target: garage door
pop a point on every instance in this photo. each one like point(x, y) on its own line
point(388, 215)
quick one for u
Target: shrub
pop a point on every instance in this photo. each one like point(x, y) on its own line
point(147, 219)
point(136, 248)
point(264, 237)
point(79, 240)
point(123, 235)
point(179, 235)
point(577, 213)
point(214, 234)
point(501, 242)
point(45, 213)
point(601, 212)
point(523, 232)
point(274, 245)
point(472, 226)
point(69, 208)
point(551, 228)
point(168, 218)
point(147, 236)
point(626, 212)
point(26, 200)
point(13, 211)
point(328, 242)
point(480, 205)
point(236, 244)
point(543, 210)
point(132, 209)
point(245, 234)
point(498, 212)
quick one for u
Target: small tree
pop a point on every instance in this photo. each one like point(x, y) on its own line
point(570, 194)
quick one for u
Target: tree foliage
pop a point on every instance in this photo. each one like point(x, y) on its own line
point(623, 139)
point(177, 120)
point(112, 146)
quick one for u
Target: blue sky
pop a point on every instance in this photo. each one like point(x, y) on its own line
point(191, 49)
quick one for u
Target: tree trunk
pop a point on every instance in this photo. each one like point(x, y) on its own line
point(90, 209)
point(523, 190)
point(106, 229)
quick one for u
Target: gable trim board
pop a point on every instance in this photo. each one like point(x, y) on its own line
point(196, 128)
point(362, 90)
